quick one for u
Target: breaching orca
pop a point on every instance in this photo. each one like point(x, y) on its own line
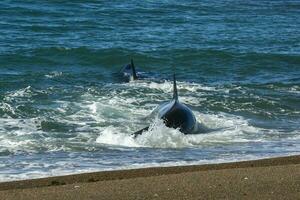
point(176, 115)
point(129, 72)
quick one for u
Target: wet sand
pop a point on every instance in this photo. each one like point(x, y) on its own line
point(276, 178)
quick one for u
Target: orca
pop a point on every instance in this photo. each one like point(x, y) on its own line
point(176, 115)
point(129, 71)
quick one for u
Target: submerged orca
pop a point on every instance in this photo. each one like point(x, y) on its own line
point(176, 115)
point(129, 71)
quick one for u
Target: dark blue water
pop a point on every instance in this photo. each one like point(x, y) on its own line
point(64, 108)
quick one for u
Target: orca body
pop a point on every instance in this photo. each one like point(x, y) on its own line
point(176, 115)
point(129, 71)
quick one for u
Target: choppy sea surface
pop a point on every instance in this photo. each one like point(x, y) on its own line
point(65, 109)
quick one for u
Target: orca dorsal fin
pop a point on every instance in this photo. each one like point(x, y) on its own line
point(175, 94)
point(134, 76)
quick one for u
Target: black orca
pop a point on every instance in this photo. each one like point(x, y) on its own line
point(176, 115)
point(129, 71)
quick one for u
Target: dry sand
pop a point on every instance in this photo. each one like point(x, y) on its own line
point(277, 178)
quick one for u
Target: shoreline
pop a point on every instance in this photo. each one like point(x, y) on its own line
point(141, 172)
point(271, 172)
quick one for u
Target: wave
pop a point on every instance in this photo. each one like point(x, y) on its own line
point(86, 56)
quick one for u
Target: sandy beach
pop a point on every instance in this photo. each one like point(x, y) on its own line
point(275, 178)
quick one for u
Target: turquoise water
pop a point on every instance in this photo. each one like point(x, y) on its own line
point(65, 109)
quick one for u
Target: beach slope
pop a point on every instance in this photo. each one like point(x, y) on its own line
point(275, 178)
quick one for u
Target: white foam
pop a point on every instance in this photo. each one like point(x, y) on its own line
point(7, 107)
point(119, 108)
point(113, 136)
point(24, 92)
point(229, 129)
point(295, 89)
point(160, 136)
point(109, 120)
point(167, 86)
point(118, 115)
point(54, 74)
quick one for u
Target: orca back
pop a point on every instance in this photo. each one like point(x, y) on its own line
point(179, 116)
point(129, 71)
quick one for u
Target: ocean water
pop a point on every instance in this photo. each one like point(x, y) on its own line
point(65, 109)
